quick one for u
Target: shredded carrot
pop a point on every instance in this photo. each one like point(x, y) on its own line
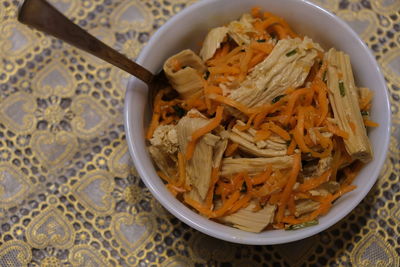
point(258, 57)
point(291, 147)
point(224, 69)
point(210, 193)
point(291, 205)
point(175, 64)
point(229, 102)
point(337, 131)
point(352, 126)
point(202, 131)
point(312, 183)
point(227, 205)
point(153, 125)
point(232, 147)
point(262, 135)
point(198, 206)
point(164, 177)
point(265, 47)
point(289, 187)
point(369, 123)
point(263, 177)
point(242, 202)
point(298, 133)
point(276, 129)
point(256, 12)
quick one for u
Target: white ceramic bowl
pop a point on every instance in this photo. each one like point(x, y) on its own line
point(186, 30)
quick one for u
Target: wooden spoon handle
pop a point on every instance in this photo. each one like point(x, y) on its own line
point(42, 16)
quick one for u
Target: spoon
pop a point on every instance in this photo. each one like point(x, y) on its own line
point(42, 16)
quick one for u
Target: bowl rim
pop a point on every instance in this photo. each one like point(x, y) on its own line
point(181, 214)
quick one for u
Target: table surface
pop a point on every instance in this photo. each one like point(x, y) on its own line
point(69, 194)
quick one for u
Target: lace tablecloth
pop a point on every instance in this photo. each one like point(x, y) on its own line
point(69, 195)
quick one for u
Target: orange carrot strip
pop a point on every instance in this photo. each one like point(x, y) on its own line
point(369, 123)
point(210, 193)
point(266, 48)
point(202, 131)
point(278, 130)
point(263, 177)
point(256, 59)
point(232, 103)
point(312, 183)
point(337, 131)
point(343, 191)
point(289, 187)
point(164, 177)
point(291, 147)
point(198, 206)
point(241, 203)
point(291, 205)
point(292, 99)
point(227, 205)
point(256, 12)
point(153, 125)
point(298, 132)
point(262, 135)
point(231, 149)
point(175, 64)
point(224, 69)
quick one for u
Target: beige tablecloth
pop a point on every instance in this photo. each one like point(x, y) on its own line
point(69, 195)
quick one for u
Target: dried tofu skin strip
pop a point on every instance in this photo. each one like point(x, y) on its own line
point(252, 221)
point(343, 97)
point(252, 166)
point(199, 167)
point(252, 149)
point(246, 142)
point(219, 150)
point(187, 79)
point(287, 66)
point(305, 206)
point(240, 30)
point(212, 42)
point(164, 161)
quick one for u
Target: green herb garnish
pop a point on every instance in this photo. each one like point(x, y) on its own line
point(301, 225)
point(341, 88)
point(289, 141)
point(291, 53)
point(179, 111)
point(276, 99)
point(206, 75)
point(261, 40)
point(364, 113)
point(244, 188)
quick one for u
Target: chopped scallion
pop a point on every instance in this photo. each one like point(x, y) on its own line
point(291, 53)
point(276, 99)
point(206, 75)
point(179, 111)
point(302, 225)
point(342, 89)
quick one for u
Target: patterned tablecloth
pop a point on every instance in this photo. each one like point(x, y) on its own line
point(69, 195)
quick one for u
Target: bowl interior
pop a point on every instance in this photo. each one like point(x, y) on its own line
point(187, 30)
